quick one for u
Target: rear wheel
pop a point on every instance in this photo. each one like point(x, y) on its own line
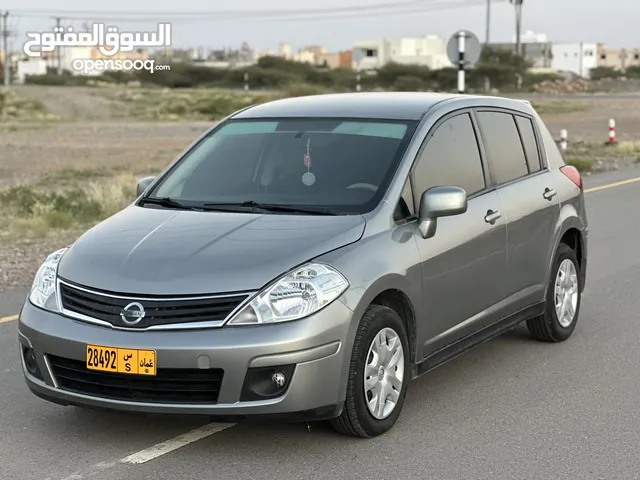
point(563, 299)
point(378, 375)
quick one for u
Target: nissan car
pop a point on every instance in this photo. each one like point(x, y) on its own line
point(306, 259)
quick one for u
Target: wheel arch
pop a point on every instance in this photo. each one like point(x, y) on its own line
point(391, 291)
point(572, 233)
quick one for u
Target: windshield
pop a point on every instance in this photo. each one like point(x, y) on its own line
point(339, 165)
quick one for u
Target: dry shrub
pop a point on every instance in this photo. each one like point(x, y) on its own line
point(14, 107)
point(32, 210)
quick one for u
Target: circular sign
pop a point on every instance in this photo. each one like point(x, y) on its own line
point(472, 48)
point(308, 179)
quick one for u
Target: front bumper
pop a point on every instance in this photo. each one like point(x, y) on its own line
point(316, 349)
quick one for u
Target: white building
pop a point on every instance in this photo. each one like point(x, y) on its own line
point(430, 51)
point(68, 56)
point(30, 67)
point(578, 58)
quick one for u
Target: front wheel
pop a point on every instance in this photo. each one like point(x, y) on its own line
point(563, 299)
point(378, 375)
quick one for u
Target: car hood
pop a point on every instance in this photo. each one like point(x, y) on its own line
point(160, 251)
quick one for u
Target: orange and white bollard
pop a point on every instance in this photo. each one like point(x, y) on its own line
point(612, 132)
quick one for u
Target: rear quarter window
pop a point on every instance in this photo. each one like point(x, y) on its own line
point(554, 157)
point(527, 133)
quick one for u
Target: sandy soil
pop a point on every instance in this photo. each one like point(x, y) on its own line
point(592, 125)
point(31, 152)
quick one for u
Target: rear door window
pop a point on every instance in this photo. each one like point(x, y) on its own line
point(503, 146)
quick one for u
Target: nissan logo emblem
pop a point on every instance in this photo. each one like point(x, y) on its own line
point(132, 314)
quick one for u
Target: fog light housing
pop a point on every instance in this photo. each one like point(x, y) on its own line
point(263, 383)
point(30, 362)
point(279, 379)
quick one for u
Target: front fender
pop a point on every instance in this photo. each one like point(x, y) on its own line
point(388, 260)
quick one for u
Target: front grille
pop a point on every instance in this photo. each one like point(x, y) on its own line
point(109, 307)
point(170, 385)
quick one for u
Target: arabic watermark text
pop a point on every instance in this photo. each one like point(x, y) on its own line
point(107, 39)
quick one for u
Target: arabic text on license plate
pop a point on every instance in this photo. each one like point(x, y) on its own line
point(121, 360)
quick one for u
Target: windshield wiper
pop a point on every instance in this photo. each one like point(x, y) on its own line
point(165, 202)
point(269, 207)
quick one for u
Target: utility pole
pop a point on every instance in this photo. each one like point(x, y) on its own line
point(4, 26)
point(58, 50)
point(486, 36)
point(518, 6)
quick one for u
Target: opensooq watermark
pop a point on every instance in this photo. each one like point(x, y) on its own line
point(88, 66)
point(107, 39)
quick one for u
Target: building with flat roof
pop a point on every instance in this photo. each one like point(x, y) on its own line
point(578, 58)
point(429, 51)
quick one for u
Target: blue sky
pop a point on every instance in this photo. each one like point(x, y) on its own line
point(612, 22)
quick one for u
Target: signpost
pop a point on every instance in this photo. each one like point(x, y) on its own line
point(357, 56)
point(463, 50)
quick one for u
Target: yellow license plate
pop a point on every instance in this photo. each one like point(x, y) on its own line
point(121, 360)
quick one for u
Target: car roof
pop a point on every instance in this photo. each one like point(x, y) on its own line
point(370, 105)
point(383, 105)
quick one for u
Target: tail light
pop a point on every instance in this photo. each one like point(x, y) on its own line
point(572, 174)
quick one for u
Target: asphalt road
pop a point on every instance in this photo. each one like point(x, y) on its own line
point(510, 409)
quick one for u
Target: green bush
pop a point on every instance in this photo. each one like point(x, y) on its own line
point(27, 210)
point(599, 73)
point(409, 83)
point(25, 201)
point(633, 71)
point(581, 163)
point(172, 104)
point(303, 89)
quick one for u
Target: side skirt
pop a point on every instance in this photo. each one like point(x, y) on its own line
point(463, 345)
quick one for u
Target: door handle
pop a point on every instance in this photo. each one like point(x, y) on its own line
point(549, 194)
point(492, 216)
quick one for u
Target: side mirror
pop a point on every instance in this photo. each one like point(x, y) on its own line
point(439, 202)
point(143, 184)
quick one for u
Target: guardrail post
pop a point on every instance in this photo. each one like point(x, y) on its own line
point(564, 135)
point(612, 132)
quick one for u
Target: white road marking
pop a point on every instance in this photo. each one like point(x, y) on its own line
point(163, 448)
point(152, 453)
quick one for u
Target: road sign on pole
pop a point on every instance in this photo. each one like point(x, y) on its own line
point(357, 55)
point(463, 50)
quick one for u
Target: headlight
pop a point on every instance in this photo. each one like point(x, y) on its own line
point(43, 290)
point(296, 295)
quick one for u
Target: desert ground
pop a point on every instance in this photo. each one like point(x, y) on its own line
point(76, 160)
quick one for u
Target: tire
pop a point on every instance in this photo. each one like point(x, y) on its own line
point(356, 419)
point(549, 327)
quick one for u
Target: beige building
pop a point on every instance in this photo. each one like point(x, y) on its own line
point(618, 58)
point(430, 51)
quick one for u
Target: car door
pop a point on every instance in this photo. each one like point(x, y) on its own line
point(530, 205)
point(464, 263)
